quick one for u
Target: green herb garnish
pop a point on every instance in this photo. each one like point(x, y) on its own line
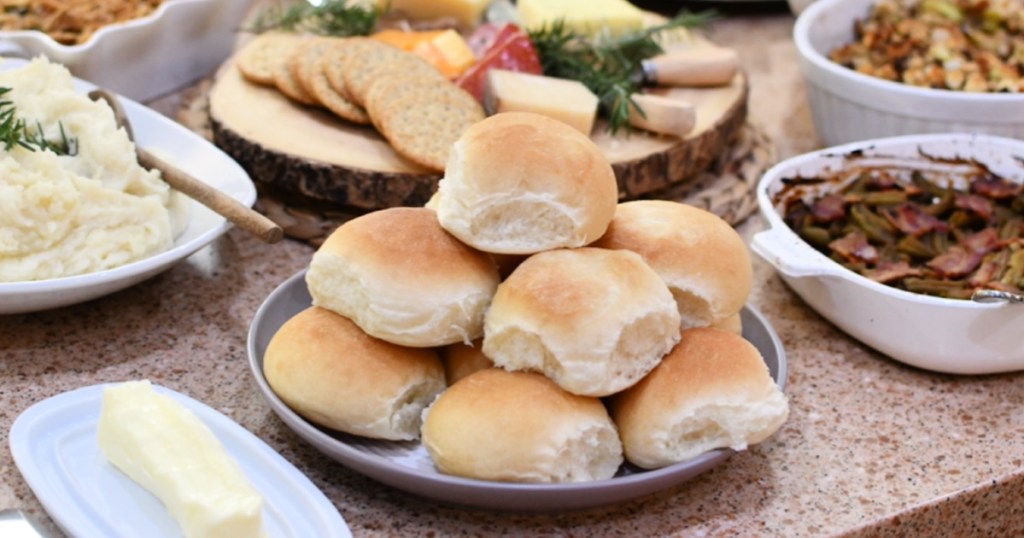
point(339, 18)
point(609, 66)
point(15, 132)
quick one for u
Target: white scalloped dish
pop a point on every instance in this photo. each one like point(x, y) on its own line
point(180, 42)
point(934, 333)
point(54, 446)
point(408, 467)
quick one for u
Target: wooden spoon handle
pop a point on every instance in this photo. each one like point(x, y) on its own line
point(231, 209)
point(234, 211)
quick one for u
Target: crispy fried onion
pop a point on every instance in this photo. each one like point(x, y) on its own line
point(71, 22)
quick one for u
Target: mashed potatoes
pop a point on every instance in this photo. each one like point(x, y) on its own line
point(64, 215)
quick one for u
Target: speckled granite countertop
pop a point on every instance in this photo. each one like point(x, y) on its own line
point(872, 448)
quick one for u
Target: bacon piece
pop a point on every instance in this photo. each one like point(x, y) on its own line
point(995, 187)
point(887, 272)
point(980, 205)
point(829, 208)
point(986, 272)
point(912, 220)
point(955, 262)
point(855, 246)
point(883, 181)
point(981, 242)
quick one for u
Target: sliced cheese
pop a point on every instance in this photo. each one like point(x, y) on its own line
point(468, 12)
point(584, 16)
point(167, 450)
point(568, 101)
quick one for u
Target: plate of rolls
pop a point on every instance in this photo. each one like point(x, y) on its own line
point(525, 342)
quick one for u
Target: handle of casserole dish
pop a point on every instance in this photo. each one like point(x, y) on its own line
point(789, 254)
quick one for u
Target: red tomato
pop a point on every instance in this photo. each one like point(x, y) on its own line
point(510, 49)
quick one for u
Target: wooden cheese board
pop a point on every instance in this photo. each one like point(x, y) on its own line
point(311, 153)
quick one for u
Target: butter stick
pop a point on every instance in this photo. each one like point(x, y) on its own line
point(167, 450)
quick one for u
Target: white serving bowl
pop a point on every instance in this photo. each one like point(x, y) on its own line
point(180, 42)
point(943, 335)
point(848, 106)
point(186, 149)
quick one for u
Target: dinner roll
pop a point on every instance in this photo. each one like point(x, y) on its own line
point(712, 391)
point(733, 324)
point(328, 370)
point(595, 321)
point(399, 276)
point(701, 257)
point(461, 360)
point(520, 427)
point(519, 183)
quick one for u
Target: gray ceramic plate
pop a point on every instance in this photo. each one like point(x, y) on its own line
point(406, 465)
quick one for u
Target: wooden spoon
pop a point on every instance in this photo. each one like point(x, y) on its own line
point(234, 211)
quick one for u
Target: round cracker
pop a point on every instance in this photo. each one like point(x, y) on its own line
point(287, 84)
point(392, 86)
point(304, 59)
point(331, 99)
point(261, 56)
point(336, 58)
point(423, 127)
point(361, 70)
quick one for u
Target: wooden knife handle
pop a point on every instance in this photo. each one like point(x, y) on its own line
point(702, 66)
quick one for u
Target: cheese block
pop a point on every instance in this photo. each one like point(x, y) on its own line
point(568, 101)
point(448, 52)
point(467, 12)
point(584, 16)
point(167, 450)
point(663, 115)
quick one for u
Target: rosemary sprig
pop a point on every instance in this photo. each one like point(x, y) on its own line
point(610, 67)
point(15, 132)
point(331, 18)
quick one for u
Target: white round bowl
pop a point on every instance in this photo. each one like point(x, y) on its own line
point(848, 106)
point(943, 335)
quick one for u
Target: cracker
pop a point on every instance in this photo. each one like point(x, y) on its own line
point(392, 86)
point(335, 59)
point(361, 70)
point(385, 90)
point(304, 59)
point(287, 84)
point(330, 98)
point(259, 58)
point(422, 127)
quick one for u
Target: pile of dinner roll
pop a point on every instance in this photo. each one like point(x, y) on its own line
point(527, 327)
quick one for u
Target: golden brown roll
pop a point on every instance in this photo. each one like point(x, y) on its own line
point(701, 257)
point(520, 427)
point(520, 183)
point(733, 324)
point(712, 391)
point(399, 276)
point(593, 320)
point(461, 360)
point(329, 371)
